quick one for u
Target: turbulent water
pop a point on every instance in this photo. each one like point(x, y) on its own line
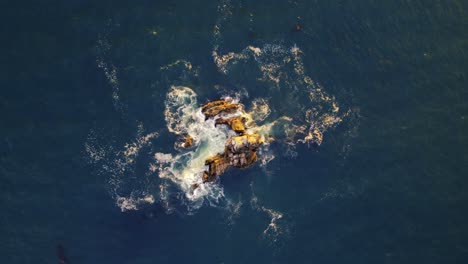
point(286, 107)
point(362, 106)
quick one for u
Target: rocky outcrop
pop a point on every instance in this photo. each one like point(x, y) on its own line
point(236, 123)
point(240, 150)
point(217, 165)
point(214, 108)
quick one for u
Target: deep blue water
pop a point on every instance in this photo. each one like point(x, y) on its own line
point(388, 185)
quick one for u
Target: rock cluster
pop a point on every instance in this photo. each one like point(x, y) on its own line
point(240, 150)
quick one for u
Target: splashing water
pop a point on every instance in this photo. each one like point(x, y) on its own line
point(287, 108)
point(185, 169)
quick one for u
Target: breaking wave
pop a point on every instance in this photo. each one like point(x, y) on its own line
point(185, 167)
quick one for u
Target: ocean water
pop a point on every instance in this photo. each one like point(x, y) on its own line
point(366, 101)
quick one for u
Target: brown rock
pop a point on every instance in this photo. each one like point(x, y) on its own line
point(214, 103)
point(236, 123)
point(247, 142)
point(214, 108)
point(188, 142)
point(240, 151)
point(217, 165)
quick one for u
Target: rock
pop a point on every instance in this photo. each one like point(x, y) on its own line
point(236, 123)
point(214, 108)
point(188, 142)
point(240, 151)
point(217, 165)
point(247, 142)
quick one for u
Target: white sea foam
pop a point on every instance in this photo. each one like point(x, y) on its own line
point(275, 229)
point(133, 203)
point(110, 71)
point(289, 108)
point(283, 67)
point(125, 186)
point(185, 168)
point(260, 109)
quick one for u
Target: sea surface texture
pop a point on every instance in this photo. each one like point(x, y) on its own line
point(362, 107)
